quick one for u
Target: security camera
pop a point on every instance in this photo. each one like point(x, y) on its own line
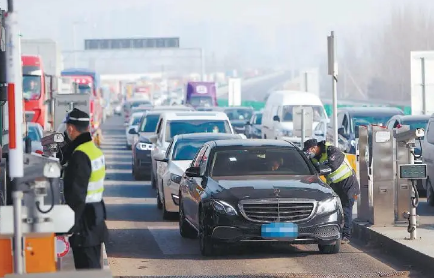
point(55, 138)
point(408, 135)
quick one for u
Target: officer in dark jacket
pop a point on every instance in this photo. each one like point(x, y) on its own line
point(83, 188)
point(342, 178)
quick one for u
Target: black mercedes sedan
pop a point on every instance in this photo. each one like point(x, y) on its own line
point(257, 190)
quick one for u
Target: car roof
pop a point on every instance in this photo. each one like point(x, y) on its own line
point(195, 115)
point(414, 117)
point(237, 108)
point(212, 136)
point(362, 111)
point(138, 114)
point(153, 112)
point(173, 108)
point(254, 143)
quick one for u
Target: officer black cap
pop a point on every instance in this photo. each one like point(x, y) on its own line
point(78, 118)
point(309, 144)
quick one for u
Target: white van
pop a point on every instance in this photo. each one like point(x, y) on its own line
point(277, 116)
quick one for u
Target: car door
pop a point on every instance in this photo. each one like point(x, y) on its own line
point(428, 149)
point(200, 184)
point(162, 168)
point(192, 184)
point(156, 149)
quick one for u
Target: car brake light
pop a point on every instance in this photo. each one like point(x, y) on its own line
point(39, 152)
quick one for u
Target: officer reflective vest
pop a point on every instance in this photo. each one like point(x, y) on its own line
point(95, 188)
point(344, 170)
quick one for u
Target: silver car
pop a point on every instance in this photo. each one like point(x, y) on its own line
point(177, 158)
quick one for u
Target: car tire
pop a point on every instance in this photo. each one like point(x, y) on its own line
point(185, 229)
point(429, 193)
point(159, 203)
point(330, 249)
point(206, 243)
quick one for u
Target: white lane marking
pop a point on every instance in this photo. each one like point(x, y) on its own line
point(170, 241)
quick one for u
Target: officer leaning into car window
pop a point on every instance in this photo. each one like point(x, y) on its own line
point(342, 178)
point(83, 189)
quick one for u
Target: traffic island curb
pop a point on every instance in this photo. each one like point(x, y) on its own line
point(105, 263)
point(411, 257)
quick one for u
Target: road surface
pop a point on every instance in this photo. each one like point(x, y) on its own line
point(142, 244)
point(258, 90)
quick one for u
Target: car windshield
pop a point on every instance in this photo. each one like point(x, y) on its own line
point(33, 133)
point(318, 112)
point(195, 126)
point(31, 87)
point(380, 120)
point(136, 120)
point(149, 123)
point(201, 100)
point(258, 120)
point(187, 149)
point(138, 103)
point(239, 114)
point(414, 124)
point(260, 161)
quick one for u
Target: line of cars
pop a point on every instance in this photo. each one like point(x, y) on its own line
point(226, 189)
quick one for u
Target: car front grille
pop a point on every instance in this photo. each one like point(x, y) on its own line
point(277, 210)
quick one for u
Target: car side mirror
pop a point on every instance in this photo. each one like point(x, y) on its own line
point(276, 118)
point(132, 131)
point(324, 171)
point(153, 138)
point(161, 157)
point(341, 131)
point(193, 172)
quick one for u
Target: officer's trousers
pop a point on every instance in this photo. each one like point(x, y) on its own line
point(341, 188)
point(87, 257)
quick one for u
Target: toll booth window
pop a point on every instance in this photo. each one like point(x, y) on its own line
point(31, 87)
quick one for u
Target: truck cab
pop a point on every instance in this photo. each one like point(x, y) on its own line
point(201, 94)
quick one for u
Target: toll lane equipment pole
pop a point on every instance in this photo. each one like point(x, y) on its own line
point(413, 213)
point(15, 110)
point(423, 84)
point(332, 70)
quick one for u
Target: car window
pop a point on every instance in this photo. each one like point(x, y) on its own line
point(318, 112)
point(149, 123)
point(414, 124)
point(174, 128)
point(203, 161)
point(187, 149)
point(258, 119)
point(159, 126)
point(33, 134)
point(250, 161)
point(198, 157)
point(430, 133)
point(169, 149)
point(239, 114)
point(136, 120)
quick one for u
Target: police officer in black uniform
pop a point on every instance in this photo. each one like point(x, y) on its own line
point(83, 189)
point(342, 178)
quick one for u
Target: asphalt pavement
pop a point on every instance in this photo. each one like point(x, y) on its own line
point(258, 90)
point(143, 244)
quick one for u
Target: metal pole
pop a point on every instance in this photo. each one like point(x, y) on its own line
point(413, 214)
point(15, 110)
point(305, 82)
point(423, 85)
point(202, 63)
point(74, 43)
point(302, 127)
point(331, 51)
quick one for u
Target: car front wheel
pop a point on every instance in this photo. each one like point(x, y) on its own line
point(206, 243)
point(330, 249)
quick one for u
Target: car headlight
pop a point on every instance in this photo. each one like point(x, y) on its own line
point(328, 205)
point(286, 132)
point(175, 178)
point(144, 146)
point(223, 207)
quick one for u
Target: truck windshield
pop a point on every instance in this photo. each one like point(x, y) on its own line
point(201, 101)
point(84, 89)
point(31, 87)
point(318, 112)
point(416, 123)
point(239, 114)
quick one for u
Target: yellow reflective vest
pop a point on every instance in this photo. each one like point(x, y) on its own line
point(95, 188)
point(344, 170)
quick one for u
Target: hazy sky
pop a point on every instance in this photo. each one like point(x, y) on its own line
point(250, 28)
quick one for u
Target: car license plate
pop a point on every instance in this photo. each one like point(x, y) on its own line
point(279, 230)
